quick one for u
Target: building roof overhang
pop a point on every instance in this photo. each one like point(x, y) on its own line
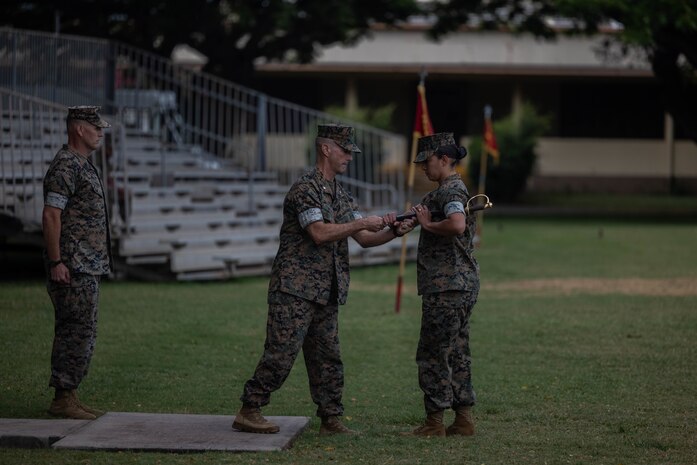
point(444, 70)
point(474, 53)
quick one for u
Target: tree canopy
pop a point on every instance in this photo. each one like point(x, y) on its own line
point(231, 33)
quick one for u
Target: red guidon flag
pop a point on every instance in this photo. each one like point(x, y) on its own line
point(422, 122)
point(490, 140)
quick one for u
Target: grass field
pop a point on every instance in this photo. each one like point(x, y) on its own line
point(584, 348)
point(628, 204)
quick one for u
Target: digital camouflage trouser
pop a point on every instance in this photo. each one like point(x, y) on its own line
point(443, 355)
point(294, 323)
point(75, 307)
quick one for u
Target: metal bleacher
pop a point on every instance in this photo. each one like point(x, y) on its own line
point(205, 211)
point(195, 168)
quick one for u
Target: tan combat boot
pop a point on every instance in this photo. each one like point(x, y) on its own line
point(64, 406)
point(250, 420)
point(86, 408)
point(433, 426)
point(463, 424)
point(332, 425)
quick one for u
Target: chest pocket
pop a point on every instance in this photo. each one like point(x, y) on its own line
point(93, 180)
point(328, 211)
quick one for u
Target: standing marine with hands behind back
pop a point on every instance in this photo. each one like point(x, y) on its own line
point(78, 254)
point(448, 282)
point(309, 280)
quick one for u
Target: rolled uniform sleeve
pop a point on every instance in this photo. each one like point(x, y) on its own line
point(454, 206)
point(56, 200)
point(59, 185)
point(309, 216)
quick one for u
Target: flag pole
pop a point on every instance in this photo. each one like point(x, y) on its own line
point(403, 253)
point(484, 156)
point(421, 88)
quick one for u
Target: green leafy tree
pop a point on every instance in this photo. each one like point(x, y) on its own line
point(379, 117)
point(233, 34)
point(666, 30)
point(516, 137)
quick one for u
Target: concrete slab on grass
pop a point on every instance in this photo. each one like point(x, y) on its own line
point(32, 434)
point(178, 433)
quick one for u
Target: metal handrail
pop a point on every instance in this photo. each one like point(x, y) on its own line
point(32, 130)
point(153, 97)
point(248, 117)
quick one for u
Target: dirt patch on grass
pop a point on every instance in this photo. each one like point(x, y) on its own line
point(629, 286)
point(564, 286)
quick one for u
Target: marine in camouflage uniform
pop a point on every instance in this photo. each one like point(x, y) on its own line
point(448, 281)
point(309, 280)
point(76, 231)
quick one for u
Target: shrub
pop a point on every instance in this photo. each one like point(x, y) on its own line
point(516, 137)
point(379, 117)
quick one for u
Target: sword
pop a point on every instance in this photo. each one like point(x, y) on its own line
point(437, 214)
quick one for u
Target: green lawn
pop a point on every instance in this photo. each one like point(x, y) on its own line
point(599, 374)
point(622, 204)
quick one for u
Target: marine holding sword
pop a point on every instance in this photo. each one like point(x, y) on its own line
point(448, 282)
point(309, 281)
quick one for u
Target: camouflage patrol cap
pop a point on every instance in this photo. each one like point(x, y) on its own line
point(428, 144)
point(342, 135)
point(89, 114)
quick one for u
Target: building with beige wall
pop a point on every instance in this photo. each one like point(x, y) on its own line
point(609, 130)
